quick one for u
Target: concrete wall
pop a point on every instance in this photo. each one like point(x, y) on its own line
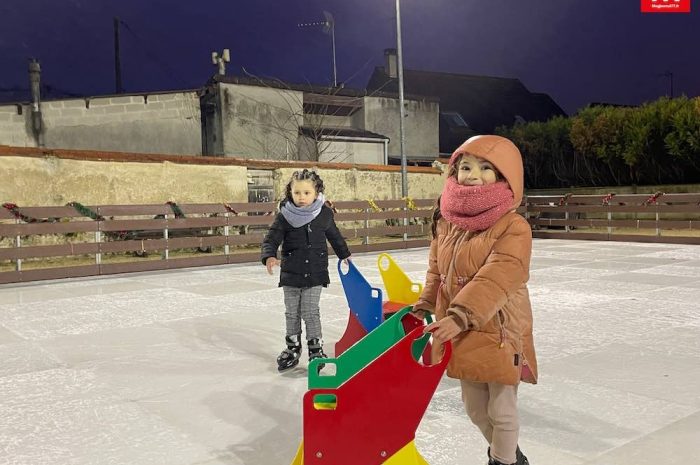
point(248, 122)
point(31, 181)
point(260, 122)
point(381, 115)
point(263, 123)
point(159, 123)
point(14, 126)
point(365, 153)
point(357, 184)
point(307, 149)
point(328, 121)
point(368, 153)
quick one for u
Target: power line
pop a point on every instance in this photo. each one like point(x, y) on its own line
point(189, 108)
point(154, 57)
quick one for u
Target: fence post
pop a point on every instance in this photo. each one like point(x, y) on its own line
point(166, 252)
point(654, 200)
point(226, 234)
point(658, 229)
point(564, 202)
point(366, 240)
point(405, 225)
point(18, 245)
point(98, 241)
point(527, 209)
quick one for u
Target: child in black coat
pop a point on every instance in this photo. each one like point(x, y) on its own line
point(302, 227)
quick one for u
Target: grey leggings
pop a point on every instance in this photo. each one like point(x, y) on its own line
point(302, 303)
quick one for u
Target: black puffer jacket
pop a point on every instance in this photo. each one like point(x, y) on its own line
point(304, 249)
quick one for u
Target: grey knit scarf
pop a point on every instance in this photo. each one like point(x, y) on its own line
point(299, 216)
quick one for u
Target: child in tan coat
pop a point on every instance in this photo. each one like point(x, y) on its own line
point(476, 287)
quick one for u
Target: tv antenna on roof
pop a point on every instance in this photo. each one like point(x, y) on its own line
point(221, 60)
point(328, 25)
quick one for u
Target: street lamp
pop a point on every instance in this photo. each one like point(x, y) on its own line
point(402, 136)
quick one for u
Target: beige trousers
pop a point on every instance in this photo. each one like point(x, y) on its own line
point(493, 408)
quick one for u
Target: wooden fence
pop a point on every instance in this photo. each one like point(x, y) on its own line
point(111, 239)
point(669, 218)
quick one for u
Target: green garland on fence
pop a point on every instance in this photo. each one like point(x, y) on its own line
point(14, 209)
point(176, 210)
point(85, 211)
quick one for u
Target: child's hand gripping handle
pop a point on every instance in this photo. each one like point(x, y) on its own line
point(444, 330)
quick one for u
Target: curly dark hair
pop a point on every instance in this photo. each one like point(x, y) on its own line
point(304, 175)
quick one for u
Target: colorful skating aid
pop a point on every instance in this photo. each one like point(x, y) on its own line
point(376, 412)
point(367, 349)
point(401, 291)
point(365, 304)
point(408, 455)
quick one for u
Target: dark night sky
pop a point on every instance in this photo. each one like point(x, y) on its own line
point(578, 51)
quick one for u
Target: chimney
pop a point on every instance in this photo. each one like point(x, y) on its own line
point(35, 86)
point(392, 64)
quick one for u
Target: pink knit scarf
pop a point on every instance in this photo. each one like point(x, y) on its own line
point(475, 208)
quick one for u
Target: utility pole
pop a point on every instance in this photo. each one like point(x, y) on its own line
point(35, 88)
point(117, 59)
point(335, 69)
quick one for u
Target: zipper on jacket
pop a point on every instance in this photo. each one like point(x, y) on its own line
point(447, 278)
point(451, 266)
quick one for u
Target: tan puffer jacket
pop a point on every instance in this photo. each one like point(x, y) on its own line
point(479, 278)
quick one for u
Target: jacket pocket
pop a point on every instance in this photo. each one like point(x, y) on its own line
point(502, 334)
point(290, 261)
